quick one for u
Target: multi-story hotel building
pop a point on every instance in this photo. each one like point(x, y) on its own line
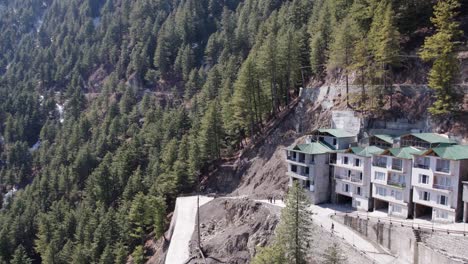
point(352, 171)
point(437, 182)
point(391, 181)
point(308, 163)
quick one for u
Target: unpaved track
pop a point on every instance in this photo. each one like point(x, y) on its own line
point(321, 216)
point(185, 220)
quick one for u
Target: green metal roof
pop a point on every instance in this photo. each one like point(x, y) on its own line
point(311, 148)
point(338, 133)
point(386, 138)
point(402, 153)
point(454, 152)
point(365, 152)
point(432, 138)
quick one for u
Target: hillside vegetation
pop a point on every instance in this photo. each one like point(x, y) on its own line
point(155, 91)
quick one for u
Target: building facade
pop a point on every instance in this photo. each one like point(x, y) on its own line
point(437, 183)
point(391, 181)
point(421, 175)
point(308, 164)
point(352, 171)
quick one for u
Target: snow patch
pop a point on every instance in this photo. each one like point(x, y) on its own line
point(60, 109)
point(35, 146)
point(9, 196)
point(96, 21)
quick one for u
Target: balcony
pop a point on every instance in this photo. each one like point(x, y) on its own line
point(396, 184)
point(354, 179)
point(442, 187)
point(301, 161)
point(397, 167)
point(421, 166)
point(342, 177)
point(379, 164)
point(443, 169)
point(291, 158)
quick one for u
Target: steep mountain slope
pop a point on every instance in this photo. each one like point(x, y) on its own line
point(110, 109)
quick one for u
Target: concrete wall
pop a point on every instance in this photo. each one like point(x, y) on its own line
point(320, 173)
point(347, 121)
point(400, 241)
point(465, 192)
point(429, 255)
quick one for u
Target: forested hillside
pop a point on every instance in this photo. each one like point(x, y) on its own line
point(109, 109)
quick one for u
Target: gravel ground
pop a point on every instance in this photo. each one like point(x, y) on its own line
point(456, 246)
point(323, 239)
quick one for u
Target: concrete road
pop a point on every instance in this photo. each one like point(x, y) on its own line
point(184, 224)
point(321, 216)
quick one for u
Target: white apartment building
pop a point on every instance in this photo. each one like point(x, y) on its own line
point(308, 164)
point(391, 181)
point(352, 171)
point(437, 182)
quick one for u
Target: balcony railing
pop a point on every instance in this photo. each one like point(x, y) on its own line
point(397, 184)
point(397, 167)
point(291, 158)
point(443, 169)
point(343, 177)
point(302, 160)
point(332, 161)
point(353, 179)
point(442, 187)
point(379, 164)
point(421, 166)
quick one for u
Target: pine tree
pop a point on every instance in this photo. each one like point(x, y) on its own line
point(272, 254)
point(210, 134)
point(334, 255)
point(341, 50)
point(440, 48)
point(385, 43)
point(294, 230)
point(20, 256)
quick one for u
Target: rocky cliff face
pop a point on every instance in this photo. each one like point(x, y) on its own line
point(231, 229)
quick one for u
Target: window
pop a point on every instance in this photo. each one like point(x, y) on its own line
point(442, 199)
point(358, 190)
point(397, 195)
point(422, 162)
point(357, 203)
point(357, 162)
point(441, 214)
point(360, 176)
point(293, 168)
point(379, 176)
point(424, 196)
point(308, 184)
point(397, 164)
point(381, 191)
point(380, 161)
point(301, 157)
point(346, 160)
point(442, 182)
point(396, 209)
point(307, 171)
point(443, 165)
point(312, 159)
point(294, 155)
point(334, 142)
point(424, 179)
point(345, 188)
